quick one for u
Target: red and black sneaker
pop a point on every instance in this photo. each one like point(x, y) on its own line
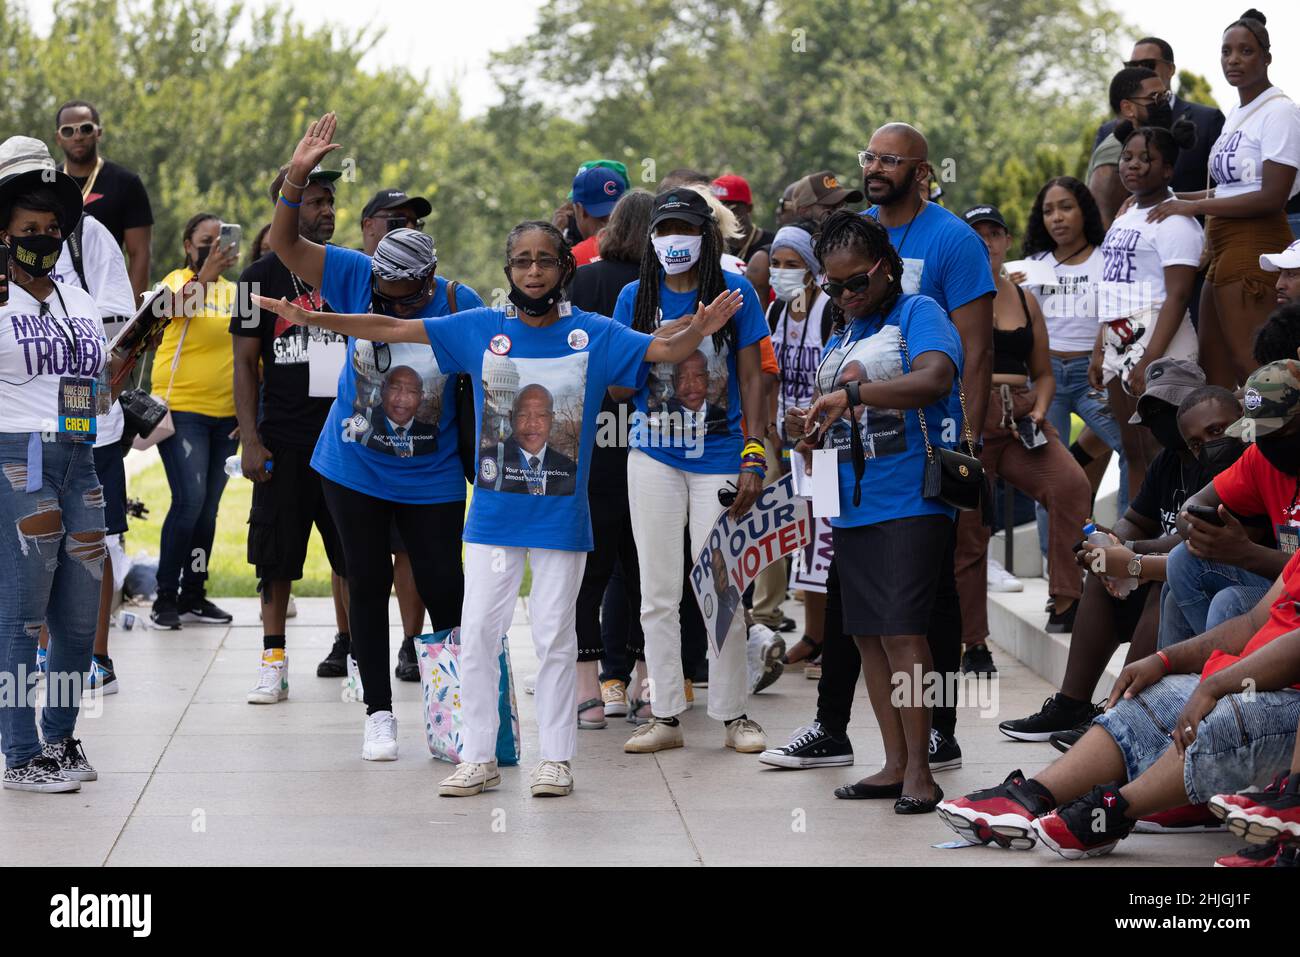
point(1088, 826)
point(1267, 817)
point(1221, 804)
point(1001, 815)
point(1253, 855)
point(1188, 819)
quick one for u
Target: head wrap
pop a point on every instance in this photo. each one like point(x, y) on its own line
point(404, 254)
point(792, 237)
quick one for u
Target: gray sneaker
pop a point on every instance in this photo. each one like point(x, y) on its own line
point(71, 759)
point(39, 774)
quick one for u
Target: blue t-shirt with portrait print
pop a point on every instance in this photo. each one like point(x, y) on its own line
point(943, 258)
point(391, 431)
point(875, 349)
point(538, 394)
point(689, 414)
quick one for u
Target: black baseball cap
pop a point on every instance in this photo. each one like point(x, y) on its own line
point(391, 199)
point(984, 214)
point(681, 203)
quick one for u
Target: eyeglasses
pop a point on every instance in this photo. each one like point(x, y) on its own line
point(68, 131)
point(1149, 64)
point(854, 284)
point(888, 161)
point(525, 263)
point(1153, 98)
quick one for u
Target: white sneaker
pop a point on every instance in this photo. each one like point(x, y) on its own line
point(746, 736)
point(552, 779)
point(764, 649)
point(470, 778)
point(272, 679)
point(381, 737)
point(999, 579)
point(655, 736)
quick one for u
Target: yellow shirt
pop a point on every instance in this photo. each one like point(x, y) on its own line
point(205, 374)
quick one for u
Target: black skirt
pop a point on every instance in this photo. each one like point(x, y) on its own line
point(889, 573)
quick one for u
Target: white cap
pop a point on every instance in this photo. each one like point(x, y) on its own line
point(1288, 258)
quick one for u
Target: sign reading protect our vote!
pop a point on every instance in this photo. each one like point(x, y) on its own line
point(779, 524)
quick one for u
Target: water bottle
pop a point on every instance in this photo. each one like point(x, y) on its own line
point(235, 469)
point(1094, 536)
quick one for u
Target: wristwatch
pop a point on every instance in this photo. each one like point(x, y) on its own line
point(1135, 567)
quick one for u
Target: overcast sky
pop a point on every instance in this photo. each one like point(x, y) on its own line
point(452, 39)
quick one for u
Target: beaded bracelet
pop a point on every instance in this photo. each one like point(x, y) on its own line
point(289, 204)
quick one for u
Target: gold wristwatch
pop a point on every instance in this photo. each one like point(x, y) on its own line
point(1135, 567)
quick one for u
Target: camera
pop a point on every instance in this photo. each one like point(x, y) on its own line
point(142, 411)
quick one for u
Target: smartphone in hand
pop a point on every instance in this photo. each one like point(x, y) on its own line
point(1206, 513)
point(230, 235)
point(1031, 436)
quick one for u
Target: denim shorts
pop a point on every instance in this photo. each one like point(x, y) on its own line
point(1239, 744)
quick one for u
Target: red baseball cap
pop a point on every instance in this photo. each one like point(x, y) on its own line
point(732, 189)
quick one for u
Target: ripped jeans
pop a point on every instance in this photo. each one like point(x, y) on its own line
point(52, 554)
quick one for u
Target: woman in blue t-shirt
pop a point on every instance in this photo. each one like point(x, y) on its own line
point(687, 446)
point(896, 358)
point(540, 368)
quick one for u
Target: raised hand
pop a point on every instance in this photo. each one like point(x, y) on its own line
point(284, 309)
point(709, 319)
point(315, 145)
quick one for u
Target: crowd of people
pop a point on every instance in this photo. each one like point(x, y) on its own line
point(366, 395)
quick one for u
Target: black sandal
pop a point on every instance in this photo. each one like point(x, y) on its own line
point(816, 647)
point(858, 791)
point(907, 804)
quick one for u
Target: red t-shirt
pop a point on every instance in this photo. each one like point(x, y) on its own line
point(1283, 617)
point(587, 251)
point(1251, 486)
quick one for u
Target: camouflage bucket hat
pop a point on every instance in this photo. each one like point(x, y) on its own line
point(1271, 399)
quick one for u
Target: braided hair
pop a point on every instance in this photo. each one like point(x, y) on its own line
point(1168, 142)
point(865, 235)
point(712, 283)
point(563, 252)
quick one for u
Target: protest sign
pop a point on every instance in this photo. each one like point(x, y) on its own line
point(813, 561)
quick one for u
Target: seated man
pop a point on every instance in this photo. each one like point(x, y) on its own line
point(1222, 569)
point(1176, 398)
point(1168, 738)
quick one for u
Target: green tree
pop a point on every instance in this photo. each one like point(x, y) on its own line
point(1195, 88)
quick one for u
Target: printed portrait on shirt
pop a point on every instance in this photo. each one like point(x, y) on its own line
point(399, 398)
point(691, 396)
point(532, 423)
point(874, 358)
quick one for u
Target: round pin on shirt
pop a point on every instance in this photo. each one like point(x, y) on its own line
point(500, 344)
point(578, 339)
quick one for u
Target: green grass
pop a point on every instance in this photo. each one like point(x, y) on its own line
point(229, 574)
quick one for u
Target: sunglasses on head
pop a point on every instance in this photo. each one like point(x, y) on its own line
point(854, 284)
point(67, 130)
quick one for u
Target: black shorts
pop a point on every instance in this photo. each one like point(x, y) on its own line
point(395, 543)
point(889, 573)
point(112, 476)
point(284, 510)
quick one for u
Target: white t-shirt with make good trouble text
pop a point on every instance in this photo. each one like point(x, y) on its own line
point(1134, 256)
point(1070, 304)
point(110, 286)
point(38, 351)
point(1265, 129)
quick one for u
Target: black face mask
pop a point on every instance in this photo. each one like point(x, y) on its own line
point(1216, 456)
point(1160, 114)
point(1164, 426)
point(201, 256)
point(36, 255)
point(1281, 451)
point(534, 306)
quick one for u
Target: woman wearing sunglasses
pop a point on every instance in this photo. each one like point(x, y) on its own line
point(540, 369)
point(892, 358)
point(388, 452)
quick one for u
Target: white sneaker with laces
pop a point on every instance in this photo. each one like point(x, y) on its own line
point(552, 779)
point(746, 736)
point(999, 579)
point(658, 735)
point(272, 681)
point(764, 649)
point(381, 737)
point(470, 778)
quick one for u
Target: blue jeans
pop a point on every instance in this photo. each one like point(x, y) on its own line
point(1072, 390)
point(51, 563)
point(195, 462)
point(1199, 595)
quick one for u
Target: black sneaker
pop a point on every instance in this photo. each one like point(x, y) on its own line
point(408, 668)
point(166, 611)
point(198, 609)
point(1064, 740)
point(71, 759)
point(1062, 623)
point(1088, 826)
point(39, 774)
point(978, 660)
point(1059, 714)
point(335, 664)
point(945, 753)
point(811, 747)
point(787, 625)
point(101, 679)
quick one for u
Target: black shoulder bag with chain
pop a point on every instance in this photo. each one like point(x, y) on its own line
point(952, 477)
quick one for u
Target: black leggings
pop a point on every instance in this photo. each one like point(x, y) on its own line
point(431, 534)
point(611, 526)
point(842, 665)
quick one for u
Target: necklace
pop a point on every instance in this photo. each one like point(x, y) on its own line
point(1065, 259)
point(90, 180)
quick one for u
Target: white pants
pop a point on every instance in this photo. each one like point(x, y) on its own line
point(662, 500)
point(492, 577)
